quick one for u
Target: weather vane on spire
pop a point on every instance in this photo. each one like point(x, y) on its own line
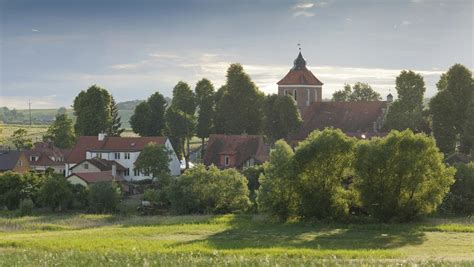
point(299, 46)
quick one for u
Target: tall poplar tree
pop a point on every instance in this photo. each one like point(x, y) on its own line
point(205, 101)
point(115, 128)
point(148, 118)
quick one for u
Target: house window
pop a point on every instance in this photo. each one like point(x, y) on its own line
point(117, 155)
point(33, 158)
point(99, 155)
point(286, 91)
point(127, 155)
point(86, 166)
point(226, 160)
point(136, 172)
point(127, 172)
point(294, 94)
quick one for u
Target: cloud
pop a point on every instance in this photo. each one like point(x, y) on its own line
point(21, 102)
point(34, 30)
point(304, 6)
point(406, 23)
point(304, 9)
point(303, 13)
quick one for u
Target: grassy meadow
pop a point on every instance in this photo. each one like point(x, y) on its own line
point(234, 240)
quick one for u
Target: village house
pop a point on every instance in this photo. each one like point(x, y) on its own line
point(235, 151)
point(88, 178)
point(14, 161)
point(101, 153)
point(361, 119)
point(45, 155)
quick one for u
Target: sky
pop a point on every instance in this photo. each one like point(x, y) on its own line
point(50, 50)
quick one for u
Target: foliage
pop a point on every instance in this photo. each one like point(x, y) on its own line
point(154, 159)
point(149, 117)
point(56, 193)
point(239, 108)
point(324, 160)
point(204, 92)
point(115, 127)
point(180, 128)
point(103, 197)
point(61, 132)
point(20, 139)
point(450, 109)
point(183, 98)
point(406, 111)
point(151, 195)
point(80, 196)
point(401, 176)
point(209, 191)
point(281, 116)
point(467, 138)
point(278, 193)
point(460, 199)
point(93, 111)
point(252, 174)
point(14, 187)
point(358, 92)
point(26, 207)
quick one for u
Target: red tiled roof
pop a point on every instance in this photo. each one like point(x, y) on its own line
point(103, 164)
point(353, 118)
point(92, 143)
point(242, 146)
point(45, 151)
point(300, 77)
point(95, 177)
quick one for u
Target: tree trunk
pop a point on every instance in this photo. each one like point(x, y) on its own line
point(186, 155)
point(202, 148)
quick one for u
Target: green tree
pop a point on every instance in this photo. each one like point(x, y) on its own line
point(358, 92)
point(240, 106)
point(104, 197)
point(401, 176)
point(149, 116)
point(180, 127)
point(443, 121)
point(61, 132)
point(278, 193)
point(56, 193)
point(209, 191)
point(21, 140)
point(281, 116)
point(183, 98)
point(457, 87)
point(460, 200)
point(92, 110)
point(406, 111)
point(324, 161)
point(14, 187)
point(204, 92)
point(468, 135)
point(154, 159)
point(115, 127)
point(140, 120)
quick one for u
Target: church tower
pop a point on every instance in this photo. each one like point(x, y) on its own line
point(301, 84)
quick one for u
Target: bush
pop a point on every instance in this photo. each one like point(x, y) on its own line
point(103, 197)
point(278, 193)
point(80, 196)
point(209, 191)
point(15, 186)
point(401, 176)
point(56, 193)
point(26, 207)
point(252, 174)
point(460, 199)
point(151, 195)
point(323, 162)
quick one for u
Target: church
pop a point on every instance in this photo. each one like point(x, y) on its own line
point(361, 119)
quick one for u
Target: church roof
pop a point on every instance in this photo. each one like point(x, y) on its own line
point(299, 74)
point(353, 118)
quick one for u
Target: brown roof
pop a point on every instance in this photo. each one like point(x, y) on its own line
point(103, 164)
point(92, 143)
point(95, 177)
point(242, 146)
point(353, 118)
point(299, 74)
point(45, 151)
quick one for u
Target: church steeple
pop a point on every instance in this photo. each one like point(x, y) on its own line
point(299, 63)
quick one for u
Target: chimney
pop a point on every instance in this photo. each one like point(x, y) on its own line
point(102, 136)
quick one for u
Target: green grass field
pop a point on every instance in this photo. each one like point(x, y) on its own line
point(85, 240)
point(35, 132)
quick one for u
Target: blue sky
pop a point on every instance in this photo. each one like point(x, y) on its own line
point(51, 50)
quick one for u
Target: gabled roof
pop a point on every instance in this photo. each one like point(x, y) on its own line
point(353, 118)
point(119, 144)
point(96, 177)
point(299, 74)
point(9, 159)
point(102, 164)
point(45, 151)
point(243, 147)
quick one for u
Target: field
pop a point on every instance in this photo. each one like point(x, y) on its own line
point(84, 240)
point(35, 132)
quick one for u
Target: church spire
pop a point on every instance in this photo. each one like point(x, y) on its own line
point(299, 63)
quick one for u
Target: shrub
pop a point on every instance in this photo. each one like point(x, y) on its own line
point(401, 176)
point(252, 174)
point(80, 196)
point(15, 186)
point(103, 197)
point(323, 162)
point(460, 199)
point(278, 193)
point(56, 193)
point(151, 195)
point(209, 191)
point(26, 207)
